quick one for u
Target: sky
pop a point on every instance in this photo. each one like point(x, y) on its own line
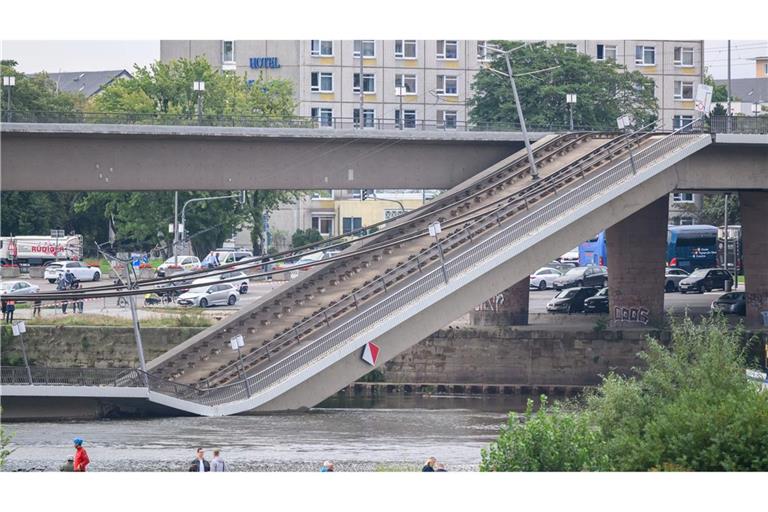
point(54, 56)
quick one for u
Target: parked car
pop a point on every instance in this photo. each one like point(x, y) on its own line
point(204, 296)
point(598, 303)
point(241, 285)
point(731, 303)
point(571, 256)
point(562, 266)
point(591, 275)
point(17, 288)
point(544, 278)
point(81, 271)
point(231, 255)
point(672, 277)
point(188, 263)
point(570, 300)
point(705, 280)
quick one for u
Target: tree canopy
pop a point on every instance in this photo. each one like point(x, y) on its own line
point(37, 93)
point(604, 90)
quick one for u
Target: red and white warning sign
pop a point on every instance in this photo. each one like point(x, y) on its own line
point(370, 353)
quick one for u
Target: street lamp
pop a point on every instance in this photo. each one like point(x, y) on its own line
point(531, 161)
point(570, 99)
point(10, 83)
point(199, 88)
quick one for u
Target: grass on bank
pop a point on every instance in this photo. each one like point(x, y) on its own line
point(691, 408)
point(184, 320)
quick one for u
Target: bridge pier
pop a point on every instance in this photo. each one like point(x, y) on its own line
point(754, 212)
point(510, 307)
point(636, 256)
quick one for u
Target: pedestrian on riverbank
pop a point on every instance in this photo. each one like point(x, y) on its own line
point(429, 465)
point(69, 465)
point(327, 467)
point(10, 307)
point(440, 468)
point(81, 456)
point(37, 309)
point(217, 463)
point(199, 464)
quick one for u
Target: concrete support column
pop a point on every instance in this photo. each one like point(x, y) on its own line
point(510, 307)
point(754, 232)
point(636, 259)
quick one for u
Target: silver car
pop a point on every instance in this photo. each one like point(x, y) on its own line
point(204, 296)
point(17, 288)
point(672, 278)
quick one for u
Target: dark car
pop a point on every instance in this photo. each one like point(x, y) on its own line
point(705, 280)
point(598, 303)
point(731, 303)
point(591, 275)
point(570, 300)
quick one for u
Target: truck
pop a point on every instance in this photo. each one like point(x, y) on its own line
point(26, 251)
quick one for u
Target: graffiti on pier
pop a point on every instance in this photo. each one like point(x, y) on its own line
point(631, 315)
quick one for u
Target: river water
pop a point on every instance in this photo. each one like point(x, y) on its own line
point(382, 434)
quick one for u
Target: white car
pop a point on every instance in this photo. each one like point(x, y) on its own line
point(204, 296)
point(188, 263)
point(17, 288)
point(231, 255)
point(241, 285)
point(81, 271)
point(544, 277)
point(571, 256)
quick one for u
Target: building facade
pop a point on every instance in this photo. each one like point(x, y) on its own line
point(426, 83)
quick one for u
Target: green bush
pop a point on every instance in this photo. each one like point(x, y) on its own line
point(691, 408)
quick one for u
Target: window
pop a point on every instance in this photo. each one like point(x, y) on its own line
point(322, 194)
point(683, 56)
point(446, 119)
point(318, 48)
point(368, 117)
point(409, 118)
point(682, 197)
point(484, 53)
point(369, 82)
point(369, 48)
point(645, 55)
point(683, 90)
point(323, 224)
point(406, 81)
point(447, 50)
point(606, 52)
point(350, 224)
point(323, 116)
point(571, 47)
point(680, 121)
point(322, 82)
point(765, 68)
point(447, 85)
point(228, 52)
point(405, 49)
point(686, 221)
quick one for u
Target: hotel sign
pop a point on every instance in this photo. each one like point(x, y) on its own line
point(264, 62)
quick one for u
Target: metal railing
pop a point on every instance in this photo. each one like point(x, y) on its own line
point(43, 376)
point(739, 124)
point(252, 121)
point(434, 279)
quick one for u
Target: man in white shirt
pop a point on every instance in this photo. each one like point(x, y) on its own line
point(200, 464)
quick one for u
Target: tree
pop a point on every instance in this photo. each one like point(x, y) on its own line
point(713, 209)
point(258, 204)
point(36, 93)
point(719, 92)
point(604, 90)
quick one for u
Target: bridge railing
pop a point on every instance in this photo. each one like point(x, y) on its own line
point(252, 121)
point(739, 124)
point(432, 280)
point(44, 376)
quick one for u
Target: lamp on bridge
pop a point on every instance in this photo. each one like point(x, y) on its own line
point(199, 88)
point(570, 99)
point(10, 83)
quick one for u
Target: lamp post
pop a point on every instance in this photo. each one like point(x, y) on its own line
point(9, 82)
point(531, 161)
point(199, 88)
point(570, 99)
point(360, 119)
point(183, 225)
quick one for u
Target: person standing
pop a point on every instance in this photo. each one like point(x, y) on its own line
point(81, 456)
point(217, 463)
point(200, 464)
point(429, 465)
point(37, 310)
point(327, 467)
point(10, 307)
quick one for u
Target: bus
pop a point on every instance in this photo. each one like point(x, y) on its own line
point(688, 247)
point(735, 248)
point(692, 247)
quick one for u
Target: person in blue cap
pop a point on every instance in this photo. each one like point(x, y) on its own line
point(81, 456)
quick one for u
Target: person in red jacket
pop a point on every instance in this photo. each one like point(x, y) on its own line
point(81, 456)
